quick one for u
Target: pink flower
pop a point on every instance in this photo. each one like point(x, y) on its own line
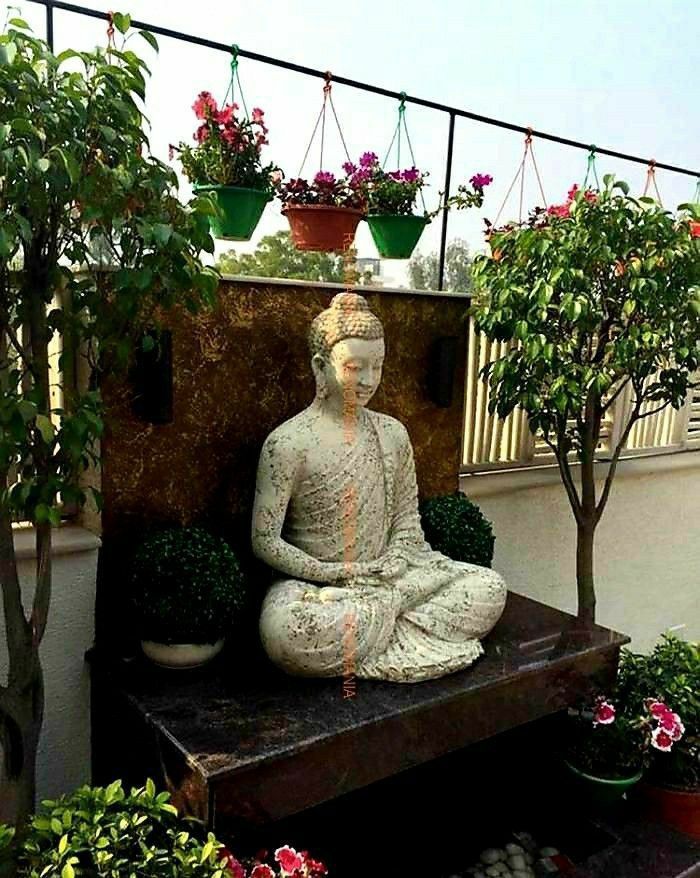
point(590, 195)
point(661, 740)
point(572, 192)
point(315, 868)
point(395, 175)
point(695, 230)
point(324, 178)
point(604, 713)
point(262, 870)
point(261, 140)
point(349, 168)
point(276, 177)
point(257, 115)
point(658, 709)
point(202, 133)
point(558, 210)
point(171, 152)
point(411, 175)
point(478, 181)
point(367, 159)
point(231, 864)
point(230, 135)
point(204, 105)
point(288, 859)
point(226, 114)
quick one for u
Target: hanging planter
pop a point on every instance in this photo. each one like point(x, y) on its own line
point(322, 226)
point(239, 210)
point(226, 163)
point(396, 236)
point(323, 214)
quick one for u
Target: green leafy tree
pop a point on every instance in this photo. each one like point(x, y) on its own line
point(276, 256)
point(75, 170)
point(603, 296)
point(424, 269)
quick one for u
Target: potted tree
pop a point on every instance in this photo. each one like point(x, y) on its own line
point(60, 192)
point(323, 214)
point(187, 587)
point(226, 163)
point(671, 674)
point(602, 296)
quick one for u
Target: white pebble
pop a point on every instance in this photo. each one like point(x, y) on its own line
point(491, 856)
point(521, 873)
point(494, 870)
point(514, 849)
point(549, 852)
point(529, 858)
point(517, 861)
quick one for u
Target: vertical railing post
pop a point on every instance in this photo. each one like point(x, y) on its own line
point(49, 24)
point(448, 180)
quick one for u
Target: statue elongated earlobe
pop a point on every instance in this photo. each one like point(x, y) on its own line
point(317, 366)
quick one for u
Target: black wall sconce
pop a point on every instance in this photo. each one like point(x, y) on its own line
point(442, 361)
point(152, 379)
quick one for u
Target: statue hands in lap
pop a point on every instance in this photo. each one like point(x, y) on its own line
point(336, 513)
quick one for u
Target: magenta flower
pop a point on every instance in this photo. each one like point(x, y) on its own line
point(349, 168)
point(288, 859)
point(661, 740)
point(604, 713)
point(395, 175)
point(324, 178)
point(201, 134)
point(411, 175)
point(262, 870)
point(257, 115)
point(367, 159)
point(225, 114)
point(478, 181)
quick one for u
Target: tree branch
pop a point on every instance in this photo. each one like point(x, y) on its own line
point(567, 479)
point(634, 417)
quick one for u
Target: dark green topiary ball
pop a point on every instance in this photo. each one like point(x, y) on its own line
point(188, 586)
point(457, 527)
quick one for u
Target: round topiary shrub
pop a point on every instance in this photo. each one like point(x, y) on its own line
point(188, 587)
point(457, 527)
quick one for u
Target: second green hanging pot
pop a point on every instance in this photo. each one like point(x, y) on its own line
point(396, 236)
point(240, 210)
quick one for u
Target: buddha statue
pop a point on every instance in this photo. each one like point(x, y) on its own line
point(336, 514)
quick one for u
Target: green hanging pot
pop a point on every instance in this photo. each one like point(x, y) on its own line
point(396, 236)
point(599, 792)
point(240, 208)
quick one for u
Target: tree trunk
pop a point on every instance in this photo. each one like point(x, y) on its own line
point(584, 573)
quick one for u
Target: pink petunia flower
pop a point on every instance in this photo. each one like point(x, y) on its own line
point(288, 859)
point(257, 115)
point(604, 713)
point(225, 115)
point(202, 133)
point(367, 159)
point(204, 104)
point(559, 210)
point(349, 168)
point(661, 739)
point(411, 175)
point(324, 178)
point(478, 181)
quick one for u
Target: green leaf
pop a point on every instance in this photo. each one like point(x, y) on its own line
point(8, 52)
point(63, 844)
point(43, 165)
point(162, 232)
point(68, 871)
point(19, 22)
point(122, 22)
point(56, 824)
point(207, 851)
point(45, 426)
point(4, 131)
point(150, 39)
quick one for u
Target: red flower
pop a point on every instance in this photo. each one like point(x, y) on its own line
point(604, 713)
point(231, 864)
point(262, 870)
point(230, 135)
point(658, 709)
point(558, 210)
point(590, 195)
point(695, 230)
point(257, 115)
point(288, 859)
point(204, 105)
point(202, 133)
point(226, 114)
point(572, 192)
point(661, 740)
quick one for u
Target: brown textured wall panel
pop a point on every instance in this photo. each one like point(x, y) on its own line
point(240, 371)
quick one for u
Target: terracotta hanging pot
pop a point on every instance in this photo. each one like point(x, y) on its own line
point(322, 227)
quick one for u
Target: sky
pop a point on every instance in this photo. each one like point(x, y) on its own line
point(621, 74)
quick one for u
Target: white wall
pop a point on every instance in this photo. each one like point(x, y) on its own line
point(64, 750)
point(647, 560)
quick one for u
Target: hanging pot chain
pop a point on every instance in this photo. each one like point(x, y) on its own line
point(520, 175)
point(591, 169)
point(235, 78)
point(321, 120)
point(651, 181)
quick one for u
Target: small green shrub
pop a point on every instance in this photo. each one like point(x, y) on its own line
point(103, 831)
point(188, 587)
point(457, 527)
point(671, 673)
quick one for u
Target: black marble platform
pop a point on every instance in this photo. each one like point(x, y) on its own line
point(238, 747)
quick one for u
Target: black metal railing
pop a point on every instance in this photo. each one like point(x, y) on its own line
point(453, 112)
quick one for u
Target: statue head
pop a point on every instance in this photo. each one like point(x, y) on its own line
point(347, 350)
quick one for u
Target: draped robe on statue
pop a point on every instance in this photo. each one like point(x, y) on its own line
point(421, 624)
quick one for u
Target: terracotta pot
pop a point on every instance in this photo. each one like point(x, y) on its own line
point(181, 655)
point(675, 808)
point(320, 227)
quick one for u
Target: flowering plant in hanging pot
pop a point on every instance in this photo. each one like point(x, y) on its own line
point(323, 214)
point(226, 162)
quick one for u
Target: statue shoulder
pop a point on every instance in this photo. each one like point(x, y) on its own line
point(391, 428)
point(286, 442)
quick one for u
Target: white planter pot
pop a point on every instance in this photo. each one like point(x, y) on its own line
point(181, 655)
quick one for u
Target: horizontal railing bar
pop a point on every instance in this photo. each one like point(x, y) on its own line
point(373, 89)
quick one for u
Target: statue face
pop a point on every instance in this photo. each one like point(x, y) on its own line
point(354, 370)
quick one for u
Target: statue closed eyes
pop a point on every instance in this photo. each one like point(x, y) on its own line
point(336, 513)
